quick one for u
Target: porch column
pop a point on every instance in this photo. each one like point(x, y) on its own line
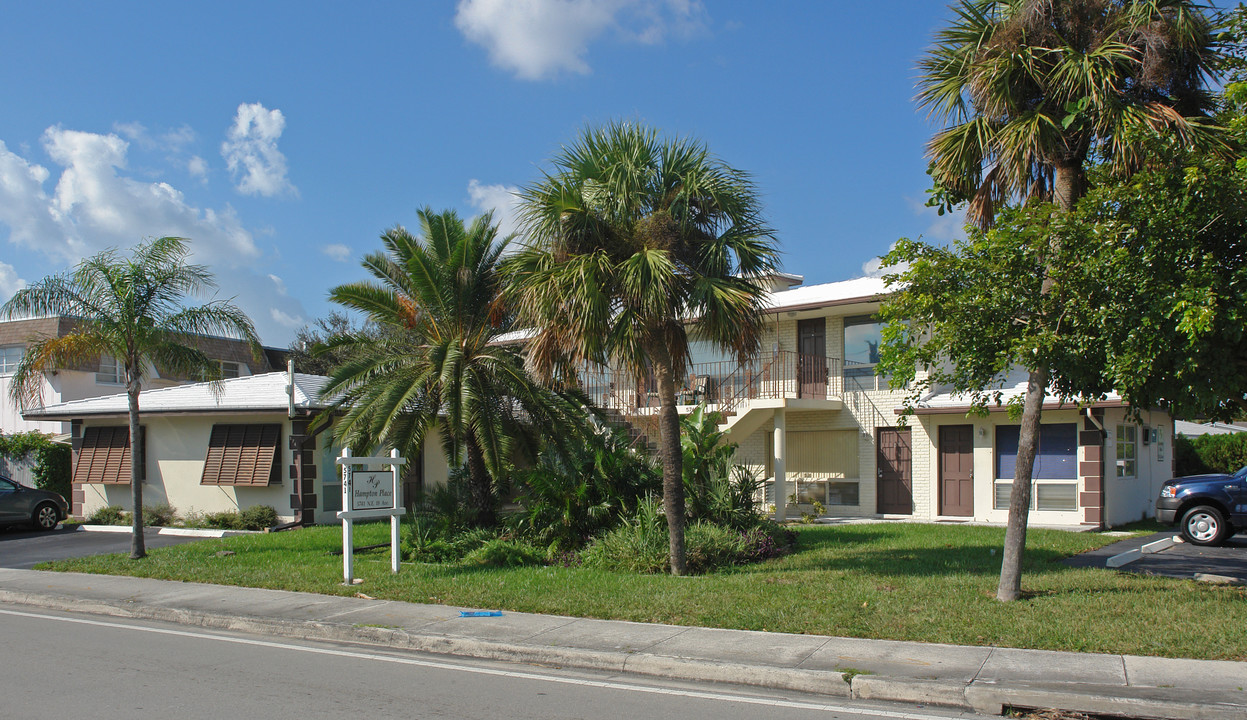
point(777, 461)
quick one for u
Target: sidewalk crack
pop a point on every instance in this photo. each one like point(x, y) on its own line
point(990, 651)
point(810, 654)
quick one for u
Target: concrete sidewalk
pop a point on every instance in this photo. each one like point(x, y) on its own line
point(978, 678)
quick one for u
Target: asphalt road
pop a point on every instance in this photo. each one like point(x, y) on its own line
point(1182, 560)
point(104, 668)
point(23, 548)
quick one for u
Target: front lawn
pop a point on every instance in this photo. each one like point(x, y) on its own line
point(897, 581)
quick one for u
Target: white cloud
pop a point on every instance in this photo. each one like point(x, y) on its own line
point(949, 227)
point(9, 281)
point(503, 200)
point(337, 252)
point(542, 38)
point(874, 267)
point(278, 283)
point(287, 320)
point(197, 167)
point(251, 153)
point(24, 206)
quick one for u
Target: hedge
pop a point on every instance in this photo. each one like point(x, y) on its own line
point(52, 459)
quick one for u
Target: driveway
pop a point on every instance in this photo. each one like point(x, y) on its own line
point(23, 548)
point(1182, 560)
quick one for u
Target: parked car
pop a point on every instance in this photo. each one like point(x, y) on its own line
point(21, 505)
point(1207, 508)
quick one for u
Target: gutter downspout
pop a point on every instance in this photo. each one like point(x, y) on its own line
point(296, 446)
point(1103, 468)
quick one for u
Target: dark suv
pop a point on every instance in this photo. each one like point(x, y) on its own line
point(1208, 508)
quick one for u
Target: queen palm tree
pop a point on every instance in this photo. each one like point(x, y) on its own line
point(133, 310)
point(634, 242)
point(434, 362)
point(1033, 90)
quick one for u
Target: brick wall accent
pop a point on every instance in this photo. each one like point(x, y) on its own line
point(1091, 472)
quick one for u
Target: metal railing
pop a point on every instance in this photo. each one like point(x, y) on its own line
point(723, 385)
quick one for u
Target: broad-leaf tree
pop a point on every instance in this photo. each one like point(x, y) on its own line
point(134, 310)
point(435, 363)
point(1032, 91)
point(635, 242)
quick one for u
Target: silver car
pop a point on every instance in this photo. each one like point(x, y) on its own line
point(21, 505)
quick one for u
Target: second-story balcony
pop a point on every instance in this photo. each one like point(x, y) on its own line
point(724, 386)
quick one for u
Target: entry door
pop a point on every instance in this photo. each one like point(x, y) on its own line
point(957, 470)
point(896, 492)
point(812, 358)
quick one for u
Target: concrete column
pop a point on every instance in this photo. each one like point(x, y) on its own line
point(781, 484)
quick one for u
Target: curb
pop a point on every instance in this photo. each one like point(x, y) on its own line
point(176, 531)
point(981, 697)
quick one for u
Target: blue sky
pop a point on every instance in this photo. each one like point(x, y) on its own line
point(284, 137)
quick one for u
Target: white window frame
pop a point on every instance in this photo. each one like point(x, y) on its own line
point(225, 367)
point(1126, 468)
point(111, 372)
point(10, 356)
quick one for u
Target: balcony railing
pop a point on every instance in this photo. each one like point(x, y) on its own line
point(723, 385)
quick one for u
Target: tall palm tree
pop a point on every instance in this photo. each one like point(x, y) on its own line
point(436, 362)
point(133, 310)
point(634, 241)
point(1032, 90)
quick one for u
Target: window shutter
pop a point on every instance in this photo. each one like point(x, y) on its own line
point(242, 455)
point(104, 456)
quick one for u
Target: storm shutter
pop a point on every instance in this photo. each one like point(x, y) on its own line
point(104, 456)
point(242, 455)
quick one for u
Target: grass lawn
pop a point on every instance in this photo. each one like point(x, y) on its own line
point(897, 581)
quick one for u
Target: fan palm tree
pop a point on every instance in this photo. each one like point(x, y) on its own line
point(436, 362)
point(131, 309)
point(634, 242)
point(1032, 90)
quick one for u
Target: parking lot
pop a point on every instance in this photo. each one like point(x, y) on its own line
point(24, 548)
point(1183, 560)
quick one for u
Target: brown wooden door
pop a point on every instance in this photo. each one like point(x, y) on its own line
point(895, 490)
point(812, 358)
point(957, 470)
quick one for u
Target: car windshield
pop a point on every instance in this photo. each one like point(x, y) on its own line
point(1242, 473)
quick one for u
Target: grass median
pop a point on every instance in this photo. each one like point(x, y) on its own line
point(895, 581)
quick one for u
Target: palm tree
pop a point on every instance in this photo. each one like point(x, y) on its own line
point(1035, 89)
point(435, 362)
point(635, 241)
point(133, 310)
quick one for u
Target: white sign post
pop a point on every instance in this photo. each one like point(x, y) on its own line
point(368, 494)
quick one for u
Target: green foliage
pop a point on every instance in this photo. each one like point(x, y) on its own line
point(51, 469)
point(637, 545)
point(573, 493)
point(222, 519)
point(1186, 459)
point(1210, 453)
point(159, 515)
point(433, 364)
point(707, 458)
point(109, 515)
point(505, 554)
point(258, 517)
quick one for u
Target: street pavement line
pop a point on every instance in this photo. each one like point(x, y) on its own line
point(603, 684)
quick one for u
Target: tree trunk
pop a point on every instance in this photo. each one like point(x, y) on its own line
point(1020, 496)
point(480, 487)
point(672, 461)
point(1067, 188)
point(138, 550)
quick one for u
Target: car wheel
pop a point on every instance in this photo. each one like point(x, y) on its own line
point(1204, 525)
point(46, 516)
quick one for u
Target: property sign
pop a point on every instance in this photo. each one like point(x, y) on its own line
point(372, 490)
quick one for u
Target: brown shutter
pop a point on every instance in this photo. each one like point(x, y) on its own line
point(104, 456)
point(242, 455)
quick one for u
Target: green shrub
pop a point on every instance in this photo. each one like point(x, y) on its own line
point(109, 515)
point(638, 544)
point(1222, 453)
point(423, 542)
point(1186, 458)
point(708, 547)
point(223, 519)
point(159, 515)
point(51, 469)
point(505, 554)
point(258, 517)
